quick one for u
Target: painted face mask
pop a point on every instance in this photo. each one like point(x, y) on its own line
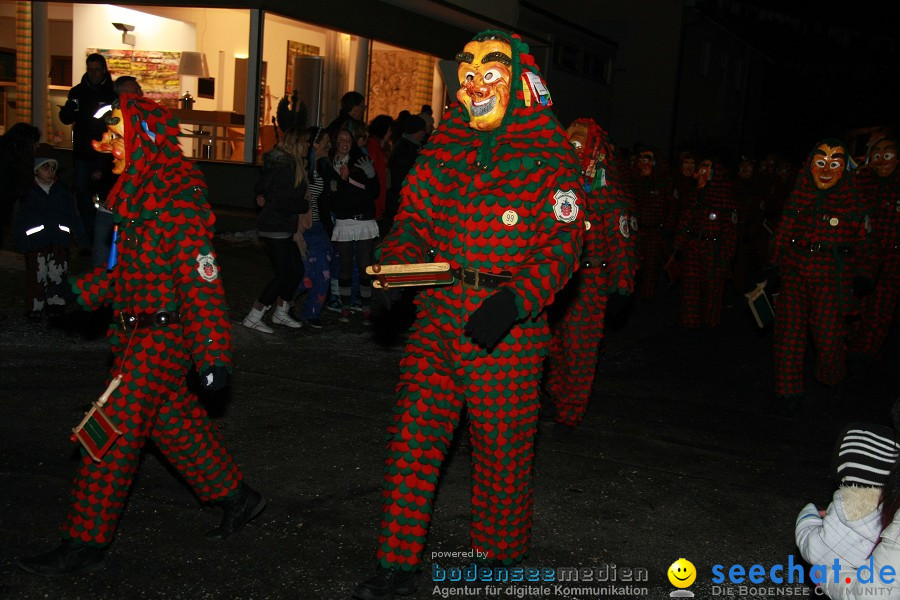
point(883, 157)
point(827, 165)
point(703, 174)
point(578, 135)
point(485, 70)
point(113, 140)
point(645, 163)
point(688, 165)
point(745, 170)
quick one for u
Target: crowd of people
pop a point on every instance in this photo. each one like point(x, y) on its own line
point(546, 231)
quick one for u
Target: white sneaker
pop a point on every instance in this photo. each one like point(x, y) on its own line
point(281, 317)
point(254, 321)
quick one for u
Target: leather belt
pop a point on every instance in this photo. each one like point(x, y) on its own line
point(701, 237)
point(588, 262)
point(819, 247)
point(129, 320)
point(358, 217)
point(476, 279)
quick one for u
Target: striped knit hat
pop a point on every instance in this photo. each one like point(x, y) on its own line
point(865, 454)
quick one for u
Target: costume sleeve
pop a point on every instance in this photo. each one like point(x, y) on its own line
point(785, 231)
point(198, 286)
point(93, 289)
point(729, 231)
point(868, 248)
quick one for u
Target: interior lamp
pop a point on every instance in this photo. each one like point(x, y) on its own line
point(193, 64)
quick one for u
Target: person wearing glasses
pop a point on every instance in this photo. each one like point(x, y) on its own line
point(45, 224)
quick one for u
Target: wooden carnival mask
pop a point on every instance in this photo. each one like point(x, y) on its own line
point(645, 163)
point(703, 173)
point(485, 71)
point(883, 157)
point(113, 140)
point(827, 165)
point(578, 137)
point(688, 166)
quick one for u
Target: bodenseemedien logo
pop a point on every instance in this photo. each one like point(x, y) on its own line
point(682, 574)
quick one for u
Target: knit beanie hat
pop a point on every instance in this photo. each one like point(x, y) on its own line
point(865, 454)
point(44, 154)
point(413, 124)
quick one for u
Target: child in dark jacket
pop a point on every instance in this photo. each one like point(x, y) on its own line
point(45, 223)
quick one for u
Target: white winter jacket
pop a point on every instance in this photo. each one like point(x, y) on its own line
point(849, 530)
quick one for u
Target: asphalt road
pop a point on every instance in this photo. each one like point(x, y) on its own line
point(682, 454)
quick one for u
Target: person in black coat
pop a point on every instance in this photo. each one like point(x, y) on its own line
point(45, 224)
point(93, 170)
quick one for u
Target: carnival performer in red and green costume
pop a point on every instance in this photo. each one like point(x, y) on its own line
point(496, 194)
point(706, 239)
point(166, 292)
point(608, 265)
point(656, 208)
point(823, 254)
point(879, 183)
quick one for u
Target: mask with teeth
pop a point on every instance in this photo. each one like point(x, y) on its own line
point(485, 73)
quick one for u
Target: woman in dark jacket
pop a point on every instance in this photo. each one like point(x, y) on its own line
point(351, 189)
point(281, 191)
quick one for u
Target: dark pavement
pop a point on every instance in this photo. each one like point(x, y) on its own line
point(681, 455)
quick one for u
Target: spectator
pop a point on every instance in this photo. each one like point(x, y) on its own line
point(126, 84)
point(93, 170)
point(16, 168)
point(353, 106)
point(283, 186)
point(403, 157)
point(351, 189)
point(379, 138)
point(45, 223)
point(317, 272)
point(427, 115)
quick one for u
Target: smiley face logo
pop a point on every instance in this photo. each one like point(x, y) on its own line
point(682, 573)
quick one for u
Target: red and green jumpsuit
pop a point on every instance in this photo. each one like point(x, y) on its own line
point(608, 265)
point(480, 201)
point(166, 262)
point(656, 207)
point(883, 194)
point(706, 237)
point(823, 241)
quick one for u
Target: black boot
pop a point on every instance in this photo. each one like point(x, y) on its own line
point(241, 507)
point(386, 584)
point(69, 558)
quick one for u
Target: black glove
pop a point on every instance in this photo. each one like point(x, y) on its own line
point(616, 304)
point(383, 299)
point(214, 378)
point(772, 276)
point(490, 321)
point(863, 286)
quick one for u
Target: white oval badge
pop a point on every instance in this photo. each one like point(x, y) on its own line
point(587, 224)
point(510, 218)
point(833, 221)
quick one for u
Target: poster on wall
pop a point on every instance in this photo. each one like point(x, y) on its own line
point(155, 70)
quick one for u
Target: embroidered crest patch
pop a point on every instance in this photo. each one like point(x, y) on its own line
point(566, 206)
point(207, 267)
point(624, 229)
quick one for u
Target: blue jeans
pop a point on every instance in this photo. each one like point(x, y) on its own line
point(317, 277)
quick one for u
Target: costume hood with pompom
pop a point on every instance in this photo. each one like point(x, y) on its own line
point(157, 177)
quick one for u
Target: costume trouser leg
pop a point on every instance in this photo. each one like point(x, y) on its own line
point(878, 310)
point(791, 322)
point(691, 286)
point(44, 268)
point(440, 371)
point(652, 249)
point(152, 401)
point(713, 296)
point(829, 334)
point(572, 364)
